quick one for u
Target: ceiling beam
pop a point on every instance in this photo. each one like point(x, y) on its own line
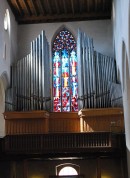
point(57, 7)
point(71, 17)
point(88, 6)
point(17, 5)
point(65, 8)
point(72, 5)
point(27, 7)
point(49, 7)
point(103, 5)
point(96, 5)
point(34, 7)
point(40, 6)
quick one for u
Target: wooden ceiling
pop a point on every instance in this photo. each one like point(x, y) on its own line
point(43, 11)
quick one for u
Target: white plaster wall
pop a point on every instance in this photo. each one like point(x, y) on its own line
point(100, 31)
point(121, 30)
point(8, 52)
point(7, 38)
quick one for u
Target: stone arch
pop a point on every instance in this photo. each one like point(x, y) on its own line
point(126, 77)
point(126, 97)
point(3, 86)
point(59, 29)
point(124, 56)
point(5, 80)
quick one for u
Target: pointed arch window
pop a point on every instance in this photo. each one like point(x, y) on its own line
point(65, 80)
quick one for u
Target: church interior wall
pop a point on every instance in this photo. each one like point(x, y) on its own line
point(121, 31)
point(8, 39)
point(8, 51)
point(16, 44)
point(99, 30)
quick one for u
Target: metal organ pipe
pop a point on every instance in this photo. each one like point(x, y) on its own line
point(32, 88)
point(95, 72)
point(31, 77)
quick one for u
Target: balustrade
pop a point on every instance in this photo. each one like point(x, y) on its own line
point(57, 142)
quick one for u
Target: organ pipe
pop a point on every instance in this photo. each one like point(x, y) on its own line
point(31, 76)
point(95, 72)
point(30, 88)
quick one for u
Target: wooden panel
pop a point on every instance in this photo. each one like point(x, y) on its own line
point(60, 142)
point(35, 122)
point(64, 122)
point(35, 11)
point(88, 120)
point(107, 119)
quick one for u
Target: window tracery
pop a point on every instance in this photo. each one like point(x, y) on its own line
point(65, 80)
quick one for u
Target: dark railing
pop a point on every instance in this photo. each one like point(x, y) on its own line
point(57, 142)
point(67, 176)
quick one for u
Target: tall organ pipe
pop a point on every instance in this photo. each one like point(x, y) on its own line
point(31, 77)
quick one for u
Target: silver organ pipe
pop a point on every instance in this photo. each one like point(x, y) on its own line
point(95, 72)
point(31, 77)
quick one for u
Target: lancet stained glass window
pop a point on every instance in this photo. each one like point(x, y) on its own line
point(65, 80)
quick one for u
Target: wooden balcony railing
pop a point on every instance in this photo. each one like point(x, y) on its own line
point(87, 120)
point(67, 176)
point(59, 143)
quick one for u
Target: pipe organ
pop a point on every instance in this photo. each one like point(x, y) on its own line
point(96, 72)
point(31, 88)
point(31, 79)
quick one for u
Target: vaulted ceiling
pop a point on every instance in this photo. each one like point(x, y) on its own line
point(43, 11)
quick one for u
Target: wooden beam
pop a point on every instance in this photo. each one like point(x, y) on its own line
point(15, 5)
point(49, 7)
point(57, 7)
point(64, 17)
point(81, 5)
point(27, 7)
point(96, 5)
point(40, 6)
point(103, 5)
point(65, 8)
point(34, 7)
point(72, 5)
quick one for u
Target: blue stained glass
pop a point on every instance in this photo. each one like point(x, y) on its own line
point(65, 81)
point(56, 60)
point(65, 91)
point(56, 82)
point(65, 59)
point(73, 58)
point(66, 109)
point(65, 72)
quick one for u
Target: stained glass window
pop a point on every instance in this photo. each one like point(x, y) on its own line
point(65, 80)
